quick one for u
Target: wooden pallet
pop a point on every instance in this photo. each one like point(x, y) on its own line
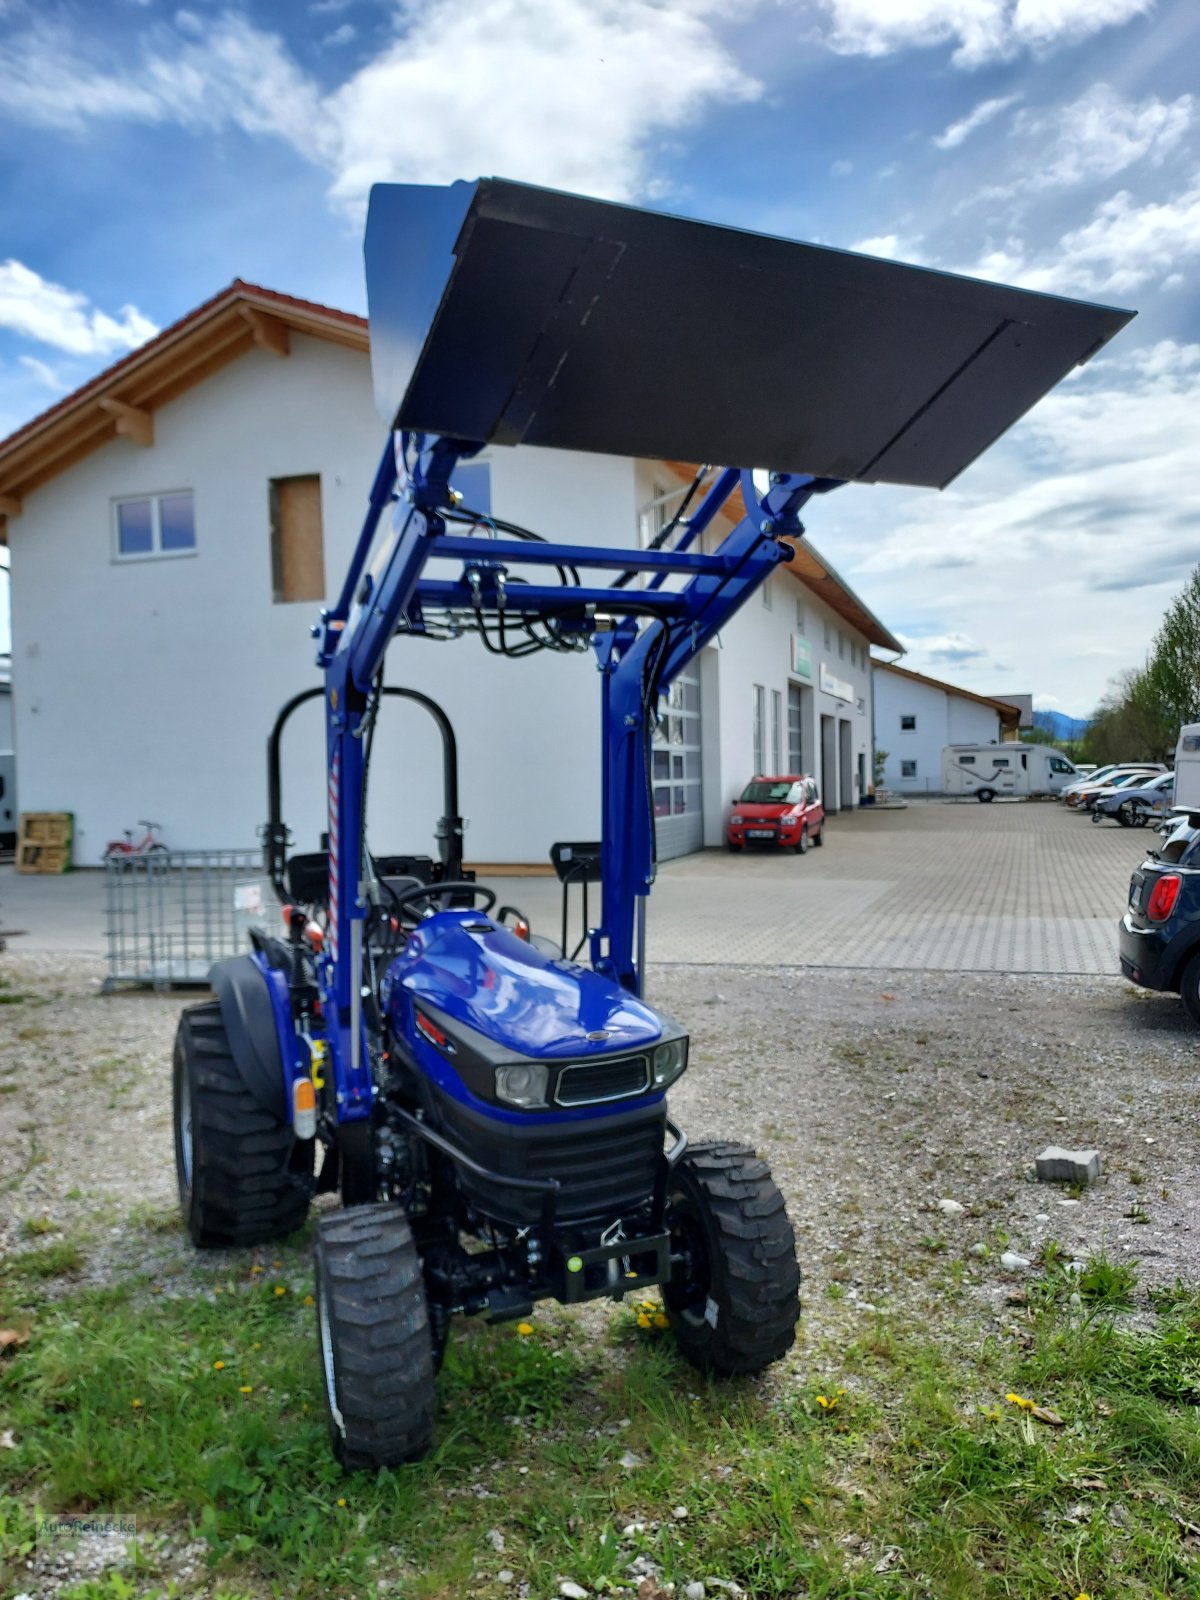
point(45, 840)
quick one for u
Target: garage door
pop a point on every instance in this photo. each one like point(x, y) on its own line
point(678, 815)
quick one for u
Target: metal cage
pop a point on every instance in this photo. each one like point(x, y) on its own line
point(171, 913)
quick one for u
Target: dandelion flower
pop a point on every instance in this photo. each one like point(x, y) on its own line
point(279, 1289)
point(308, 1299)
point(1019, 1401)
point(342, 1500)
point(246, 1388)
point(136, 1404)
point(643, 1321)
point(254, 1271)
point(660, 1321)
point(218, 1366)
point(524, 1329)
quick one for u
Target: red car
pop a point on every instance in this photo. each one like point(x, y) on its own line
point(778, 811)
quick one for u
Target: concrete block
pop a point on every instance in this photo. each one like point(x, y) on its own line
point(1056, 1165)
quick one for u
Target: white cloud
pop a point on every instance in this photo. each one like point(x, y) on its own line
point(46, 312)
point(1122, 248)
point(983, 113)
point(981, 30)
point(45, 374)
point(565, 92)
point(891, 246)
point(346, 34)
point(1100, 135)
point(571, 93)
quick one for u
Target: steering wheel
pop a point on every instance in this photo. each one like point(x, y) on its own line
point(441, 891)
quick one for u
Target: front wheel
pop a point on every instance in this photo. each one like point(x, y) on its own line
point(801, 845)
point(734, 1299)
point(374, 1338)
point(986, 795)
point(818, 838)
point(1096, 817)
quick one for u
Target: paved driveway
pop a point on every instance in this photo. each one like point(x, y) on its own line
point(938, 887)
point(944, 887)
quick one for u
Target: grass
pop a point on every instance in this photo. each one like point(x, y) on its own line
point(886, 1465)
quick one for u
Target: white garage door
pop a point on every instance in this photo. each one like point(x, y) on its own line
point(678, 816)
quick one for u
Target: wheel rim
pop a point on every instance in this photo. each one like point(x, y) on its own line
point(185, 1129)
point(327, 1368)
point(803, 840)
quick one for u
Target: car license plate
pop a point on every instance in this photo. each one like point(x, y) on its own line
point(759, 833)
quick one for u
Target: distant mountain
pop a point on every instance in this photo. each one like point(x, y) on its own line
point(1059, 726)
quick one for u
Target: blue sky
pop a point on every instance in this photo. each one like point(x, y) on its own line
point(150, 153)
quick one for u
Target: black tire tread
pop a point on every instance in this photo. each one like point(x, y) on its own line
point(759, 1302)
point(368, 1264)
point(248, 1173)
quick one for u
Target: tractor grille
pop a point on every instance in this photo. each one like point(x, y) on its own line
point(593, 1082)
point(602, 1171)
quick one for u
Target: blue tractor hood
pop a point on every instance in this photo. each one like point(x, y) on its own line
point(478, 973)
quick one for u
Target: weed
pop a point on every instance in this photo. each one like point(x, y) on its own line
point(55, 1261)
point(35, 1227)
point(1106, 1283)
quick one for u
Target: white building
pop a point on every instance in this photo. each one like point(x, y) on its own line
point(174, 526)
point(917, 717)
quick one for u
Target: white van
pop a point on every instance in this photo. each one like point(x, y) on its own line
point(1187, 768)
point(988, 770)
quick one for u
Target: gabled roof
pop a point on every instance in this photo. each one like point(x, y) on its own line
point(123, 398)
point(810, 569)
point(1010, 715)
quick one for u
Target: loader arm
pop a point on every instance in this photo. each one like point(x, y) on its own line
point(501, 314)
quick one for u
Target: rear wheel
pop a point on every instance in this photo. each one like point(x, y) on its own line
point(986, 795)
point(374, 1338)
point(736, 1301)
point(243, 1178)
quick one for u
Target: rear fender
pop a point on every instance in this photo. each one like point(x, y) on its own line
point(256, 1011)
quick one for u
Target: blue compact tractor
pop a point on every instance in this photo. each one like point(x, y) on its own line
point(491, 1111)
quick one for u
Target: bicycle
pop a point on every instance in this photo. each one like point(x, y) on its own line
point(148, 844)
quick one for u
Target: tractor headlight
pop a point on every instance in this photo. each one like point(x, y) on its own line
point(669, 1060)
point(522, 1084)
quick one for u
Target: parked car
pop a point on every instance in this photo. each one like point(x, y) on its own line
point(1095, 775)
point(1133, 804)
point(1159, 935)
point(784, 811)
point(1085, 797)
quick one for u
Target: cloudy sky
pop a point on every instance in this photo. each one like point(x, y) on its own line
point(149, 154)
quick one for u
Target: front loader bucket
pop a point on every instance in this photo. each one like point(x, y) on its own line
point(510, 314)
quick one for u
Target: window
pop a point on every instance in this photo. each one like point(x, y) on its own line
point(966, 761)
point(828, 637)
point(776, 729)
point(841, 645)
point(908, 769)
point(795, 752)
point(155, 525)
point(297, 539)
point(908, 724)
point(1001, 761)
point(760, 728)
point(799, 616)
point(473, 480)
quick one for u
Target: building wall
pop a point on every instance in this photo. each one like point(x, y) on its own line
point(147, 688)
point(942, 718)
point(6, 717)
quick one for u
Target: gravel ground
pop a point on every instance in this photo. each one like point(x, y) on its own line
point(873, 1095)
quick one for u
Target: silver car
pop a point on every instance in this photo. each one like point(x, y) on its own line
point(1133, 804)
